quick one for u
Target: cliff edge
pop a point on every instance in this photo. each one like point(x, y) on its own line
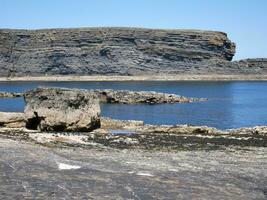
point(120, 51)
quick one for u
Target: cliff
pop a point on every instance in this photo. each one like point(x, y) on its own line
point(119, 51)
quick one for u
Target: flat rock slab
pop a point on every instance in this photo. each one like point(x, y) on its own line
point(57, 109)
point(134, 97)
point(32, 171)
point(129, 97)
point(12, 120)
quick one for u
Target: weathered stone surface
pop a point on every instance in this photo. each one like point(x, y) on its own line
point(253, 66)
point(131, 134)
point(130, 97)
point(109, 123)
point(55, 109)
point(133, 97)
point(35, 172)
point(179, 129)
point(257, 64)
point(113, 51)
point(12, 120)
point(257, 130)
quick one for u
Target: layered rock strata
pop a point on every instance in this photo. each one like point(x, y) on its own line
point(120, 51)
point(113, 51)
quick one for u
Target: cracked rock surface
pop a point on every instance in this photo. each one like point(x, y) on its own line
point(32, 171)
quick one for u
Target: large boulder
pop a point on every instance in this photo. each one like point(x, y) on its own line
point(58, 109)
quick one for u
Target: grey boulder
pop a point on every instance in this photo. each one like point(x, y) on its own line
point(57, 109)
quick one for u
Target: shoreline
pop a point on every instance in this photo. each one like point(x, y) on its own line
point(215, 77)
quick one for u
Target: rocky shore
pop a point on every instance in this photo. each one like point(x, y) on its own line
point(61, 147)
point(162, 77)
point(71, 117)
point(133, 134)
point(30, 171)
point(125, 96)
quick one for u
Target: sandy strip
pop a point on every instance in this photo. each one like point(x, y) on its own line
point(215, 77)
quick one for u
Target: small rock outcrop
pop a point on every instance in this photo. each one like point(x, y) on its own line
point(109, 123)
point(130, 97)
point(10, 94)
point(55, 109)
point(12, 120)
point(256, 130)
point(134, 97)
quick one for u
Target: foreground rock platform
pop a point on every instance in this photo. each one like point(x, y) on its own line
point(37, 172)
point(127, 159)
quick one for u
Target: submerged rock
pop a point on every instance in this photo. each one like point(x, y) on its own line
point(55, 109)
point(12, 120)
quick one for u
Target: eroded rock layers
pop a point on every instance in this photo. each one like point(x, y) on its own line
point(118, 51)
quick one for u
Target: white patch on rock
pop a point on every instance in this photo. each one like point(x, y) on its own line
point(144, 174)
point(63, 166)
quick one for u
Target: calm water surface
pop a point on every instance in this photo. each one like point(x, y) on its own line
point(231, 104)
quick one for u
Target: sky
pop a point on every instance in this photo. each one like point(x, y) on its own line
point(245, 21)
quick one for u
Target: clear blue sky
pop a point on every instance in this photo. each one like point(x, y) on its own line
point(245, 21)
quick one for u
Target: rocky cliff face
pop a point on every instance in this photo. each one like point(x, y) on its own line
point(118, 51)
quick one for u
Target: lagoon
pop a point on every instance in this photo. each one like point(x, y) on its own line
point(231, 104)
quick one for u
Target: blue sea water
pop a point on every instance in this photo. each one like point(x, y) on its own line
point(231, 104)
